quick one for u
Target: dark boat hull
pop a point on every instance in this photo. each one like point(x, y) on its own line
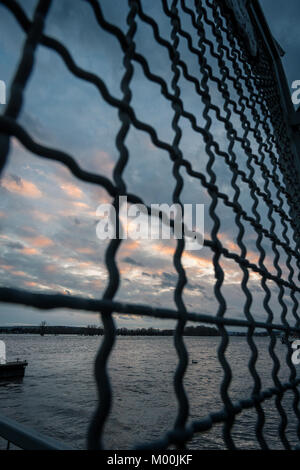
point(12, 370)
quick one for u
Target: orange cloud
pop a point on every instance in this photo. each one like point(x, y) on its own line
point(40, 241)
point(42, 216)
point(6, 267)
point(71, 260)
point(29, 251)
point(129, 246)
point(18, 273)
point(128, 268)
point(30, 284)
point(81, 205)
point(251, 256)
point(86, 264)
point(72, 190)
point(50, 268)
point(23, 187)
point(163, 249)
point(231, 246)
point(86, 251)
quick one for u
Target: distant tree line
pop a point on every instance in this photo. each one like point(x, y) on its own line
point(95, 330)
point(44, 329)
point(200, 330)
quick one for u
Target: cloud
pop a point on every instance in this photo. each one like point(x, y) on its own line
point(39, 241)
point(132, 261)
point(86, 251)
point(51, 240)
point(29, 251)
point(15, 245)
point(72, 190)
point(15, 184)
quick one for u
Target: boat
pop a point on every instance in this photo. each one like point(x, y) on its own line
point(10, 370)
point(13, 370)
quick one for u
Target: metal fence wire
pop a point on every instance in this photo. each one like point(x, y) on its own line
point(242, 86)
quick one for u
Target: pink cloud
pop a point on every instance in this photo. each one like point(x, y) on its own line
point(72, 190)
point(20, 186)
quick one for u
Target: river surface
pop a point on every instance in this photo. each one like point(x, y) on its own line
point(58, 393)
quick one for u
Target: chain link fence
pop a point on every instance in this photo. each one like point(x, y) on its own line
point(242, 88)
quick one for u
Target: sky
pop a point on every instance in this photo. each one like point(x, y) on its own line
point(48, 218)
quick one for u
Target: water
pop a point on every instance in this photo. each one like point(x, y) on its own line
point(58, 394)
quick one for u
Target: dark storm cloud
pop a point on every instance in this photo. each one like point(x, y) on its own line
point(17, 179)
point(131, 261)
point(170, 277)
point(170, 280)
point(14, 245)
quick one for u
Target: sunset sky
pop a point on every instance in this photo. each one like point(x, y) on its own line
point(48, 218)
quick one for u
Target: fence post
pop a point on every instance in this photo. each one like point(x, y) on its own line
point(290, 116)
